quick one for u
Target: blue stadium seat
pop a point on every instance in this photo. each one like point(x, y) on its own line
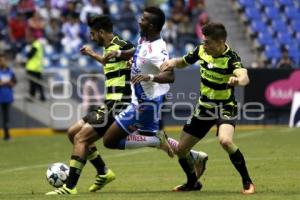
point(47, 62)
point(126, 34)
point(63, 61)
point(286, 2)
point(279, 26)
point(171, 50)
point(252, 13)
point(295, 25)
point(259, 27)
point(247, 3)
point(266, 3)
point(265, 39)
point(114, 10)
point(83, 62)
point(284, 38)
point(272, 13)
point(272, 54)
point(295, 56)
point(292, 13)
point(48, 50)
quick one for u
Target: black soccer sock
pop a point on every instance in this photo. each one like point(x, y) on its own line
point(96, 160)
point(239, 163)
point(188, 167)
point(76, 166)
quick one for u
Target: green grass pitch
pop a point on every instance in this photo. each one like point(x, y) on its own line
point(272, 155)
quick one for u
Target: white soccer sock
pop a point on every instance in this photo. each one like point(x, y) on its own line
point(135, 141)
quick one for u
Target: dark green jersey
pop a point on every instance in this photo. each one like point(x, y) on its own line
point(117, 73)
point(215, 73)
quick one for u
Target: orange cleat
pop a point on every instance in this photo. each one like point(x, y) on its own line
point(249, 189)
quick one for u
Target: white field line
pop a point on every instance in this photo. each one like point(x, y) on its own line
point(127, 153)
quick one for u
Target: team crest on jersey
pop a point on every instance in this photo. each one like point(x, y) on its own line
point(210, 66)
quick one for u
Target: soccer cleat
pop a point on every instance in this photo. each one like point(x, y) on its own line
point(164, 144)
point(200, 163)
point(62, 191)
point(102, 180)
point(187, 187)
point(248, 189)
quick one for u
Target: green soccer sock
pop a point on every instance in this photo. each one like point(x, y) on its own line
point(96, 160)
point(239, 163)
point(76, 166)
point(188, 167)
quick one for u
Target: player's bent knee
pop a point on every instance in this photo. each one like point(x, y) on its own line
point(71, 135)
point(225, 143)
point(108, 143)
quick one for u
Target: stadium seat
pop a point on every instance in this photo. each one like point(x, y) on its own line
point(266, 3)
point(114, 10)
point(272, 13)
point(189, 47)
point(126, 35)
point(286, 2)
point(48, 50)
point(284, 38)
point(258, 26)
point(83, 62)
point(295, 25)
point(272, 54)
point(247, 3)
point(279, 26)
point(265, 39)
point(64, 61)
point(292, 13)
point(171, 50)
point(252, 14)
point(46, 62)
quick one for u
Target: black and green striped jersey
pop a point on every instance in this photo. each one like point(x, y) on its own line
point(117, 73)
point(215, 73)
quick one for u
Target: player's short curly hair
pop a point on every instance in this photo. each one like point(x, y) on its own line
point(158, 17)
point(98, 22)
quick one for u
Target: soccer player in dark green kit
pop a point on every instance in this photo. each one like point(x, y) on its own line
point(220, 70)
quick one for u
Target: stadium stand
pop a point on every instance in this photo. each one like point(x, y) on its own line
point(272, 26)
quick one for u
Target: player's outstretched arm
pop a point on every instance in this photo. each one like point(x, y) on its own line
point(85, 50)
point(124, 54)
point(172, 63)
point(240, 77)
point(162, 77)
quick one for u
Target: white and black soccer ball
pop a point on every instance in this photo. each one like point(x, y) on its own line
point(57, 174)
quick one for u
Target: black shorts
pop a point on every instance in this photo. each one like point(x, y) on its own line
point(203, 119)
point(103, 117)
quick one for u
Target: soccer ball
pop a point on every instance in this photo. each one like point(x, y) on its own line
point(57, 174)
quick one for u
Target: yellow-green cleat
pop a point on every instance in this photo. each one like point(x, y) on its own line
point(102, 180)
point(62, 191)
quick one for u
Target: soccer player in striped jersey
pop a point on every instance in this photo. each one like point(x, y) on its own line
point(93, 126)
point(220, 70)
